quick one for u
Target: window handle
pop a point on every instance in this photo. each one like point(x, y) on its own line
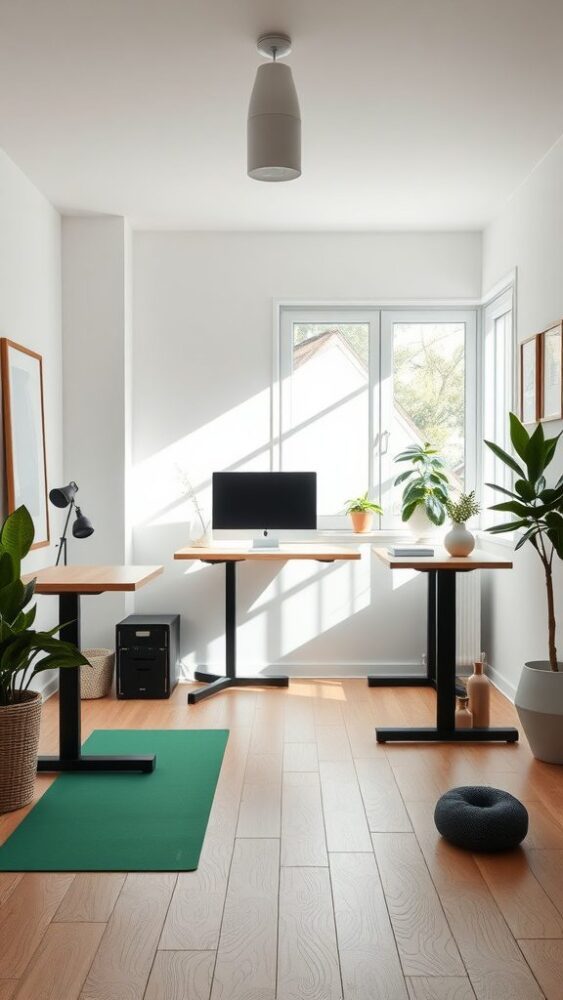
point(384, 442)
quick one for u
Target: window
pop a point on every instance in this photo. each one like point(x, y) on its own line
point(498, 398)
point(359, 385)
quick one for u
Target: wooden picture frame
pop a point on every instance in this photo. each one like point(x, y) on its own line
point(530, 379)
point(24, 435)
point(551, 373)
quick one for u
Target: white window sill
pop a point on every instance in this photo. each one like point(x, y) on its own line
point(507, 541)
point(342, 536)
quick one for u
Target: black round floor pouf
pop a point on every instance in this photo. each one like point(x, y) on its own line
point(479, 818)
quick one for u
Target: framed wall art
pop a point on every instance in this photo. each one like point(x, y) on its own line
point(551, 365)
point(530, 379)
point(24, 434)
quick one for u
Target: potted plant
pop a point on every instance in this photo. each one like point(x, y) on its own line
point(538, 512)
point(459, 541)
point(24, 652)
point(361, 511)
point(426, 488)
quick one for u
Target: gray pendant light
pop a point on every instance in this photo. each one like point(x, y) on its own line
point(274, 122)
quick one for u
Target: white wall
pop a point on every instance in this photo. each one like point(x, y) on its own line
point(202, 371)
point(96, 332)
point(527, 235)
point(30, 314)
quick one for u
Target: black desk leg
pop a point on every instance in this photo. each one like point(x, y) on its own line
point(416, 680)
point(445, 651)
point(70, 757)
point(69, 681)
point(216, 682)
point(444, 731)
point(431, 628)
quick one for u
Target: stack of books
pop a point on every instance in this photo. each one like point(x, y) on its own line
point(411, 550)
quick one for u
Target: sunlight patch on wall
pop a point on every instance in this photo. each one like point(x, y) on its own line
point(402, 576)
point(237, 439)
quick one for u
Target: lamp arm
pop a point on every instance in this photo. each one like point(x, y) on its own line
point(62, 543)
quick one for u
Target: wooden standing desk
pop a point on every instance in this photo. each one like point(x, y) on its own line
point(230, 556)
point(69, 583)
point(442, 570)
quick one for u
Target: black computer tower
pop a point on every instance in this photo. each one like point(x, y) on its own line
point(147, 656)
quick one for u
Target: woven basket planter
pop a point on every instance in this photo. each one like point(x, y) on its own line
point(95, 680)
point(19, 739)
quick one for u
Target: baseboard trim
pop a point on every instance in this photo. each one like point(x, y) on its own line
point(320, 670)
point(506, 687)
point(47, 686)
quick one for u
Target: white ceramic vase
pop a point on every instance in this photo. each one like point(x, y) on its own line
point(459, 541)
point(539, 702)
point(422, 528)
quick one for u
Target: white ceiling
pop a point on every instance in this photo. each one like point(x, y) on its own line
point(416, 113)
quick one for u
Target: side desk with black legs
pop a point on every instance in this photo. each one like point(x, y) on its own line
point(69, 584)
point(229, 557)
point(442, 571)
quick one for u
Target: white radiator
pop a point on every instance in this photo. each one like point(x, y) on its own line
point(468, 620)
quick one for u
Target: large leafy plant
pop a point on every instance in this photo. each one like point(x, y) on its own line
point(537, 508)
point(426, 483)
point(24, 652)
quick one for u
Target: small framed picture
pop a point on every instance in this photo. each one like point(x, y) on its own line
point(530, 379)
point(551, 366)
point(24, 434)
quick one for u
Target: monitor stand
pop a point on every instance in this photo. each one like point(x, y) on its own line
point(266, 542)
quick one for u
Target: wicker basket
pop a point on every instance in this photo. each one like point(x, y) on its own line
point(95, 680)
point(19, 739)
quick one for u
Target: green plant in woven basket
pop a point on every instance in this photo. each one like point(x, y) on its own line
point(463, 508)
point(24, 652)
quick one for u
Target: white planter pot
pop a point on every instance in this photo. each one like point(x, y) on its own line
point(459, 541)
point(539, 701)
point(422, 528)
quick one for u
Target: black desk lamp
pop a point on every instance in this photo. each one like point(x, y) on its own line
point(64, 496)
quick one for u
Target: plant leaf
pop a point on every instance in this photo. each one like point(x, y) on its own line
point(501, 489)
point(535, 454)
point(17, 534)
point(518, 435)
point(506, 458)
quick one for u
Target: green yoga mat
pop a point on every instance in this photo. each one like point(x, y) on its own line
point(125, 822)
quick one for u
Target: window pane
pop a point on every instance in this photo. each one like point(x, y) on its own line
point(429, 392)
point(326, 409)
point(497, 402)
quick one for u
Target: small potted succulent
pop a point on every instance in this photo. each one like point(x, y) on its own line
point(24, 653)
point(425, 489)
point(537, 513)
point(361, 511)
point(459, 541)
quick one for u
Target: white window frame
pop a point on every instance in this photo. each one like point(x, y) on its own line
point(495, 407)
point(380, 320)
point(289, 316)
point(439, 315)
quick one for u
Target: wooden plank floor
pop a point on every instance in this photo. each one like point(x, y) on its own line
point(322, 875)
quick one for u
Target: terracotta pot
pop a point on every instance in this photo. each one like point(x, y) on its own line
point(539, 702)
point(362, 520)
point(19, 740)
point(459, 541)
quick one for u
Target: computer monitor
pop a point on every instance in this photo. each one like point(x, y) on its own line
point(264, 501)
